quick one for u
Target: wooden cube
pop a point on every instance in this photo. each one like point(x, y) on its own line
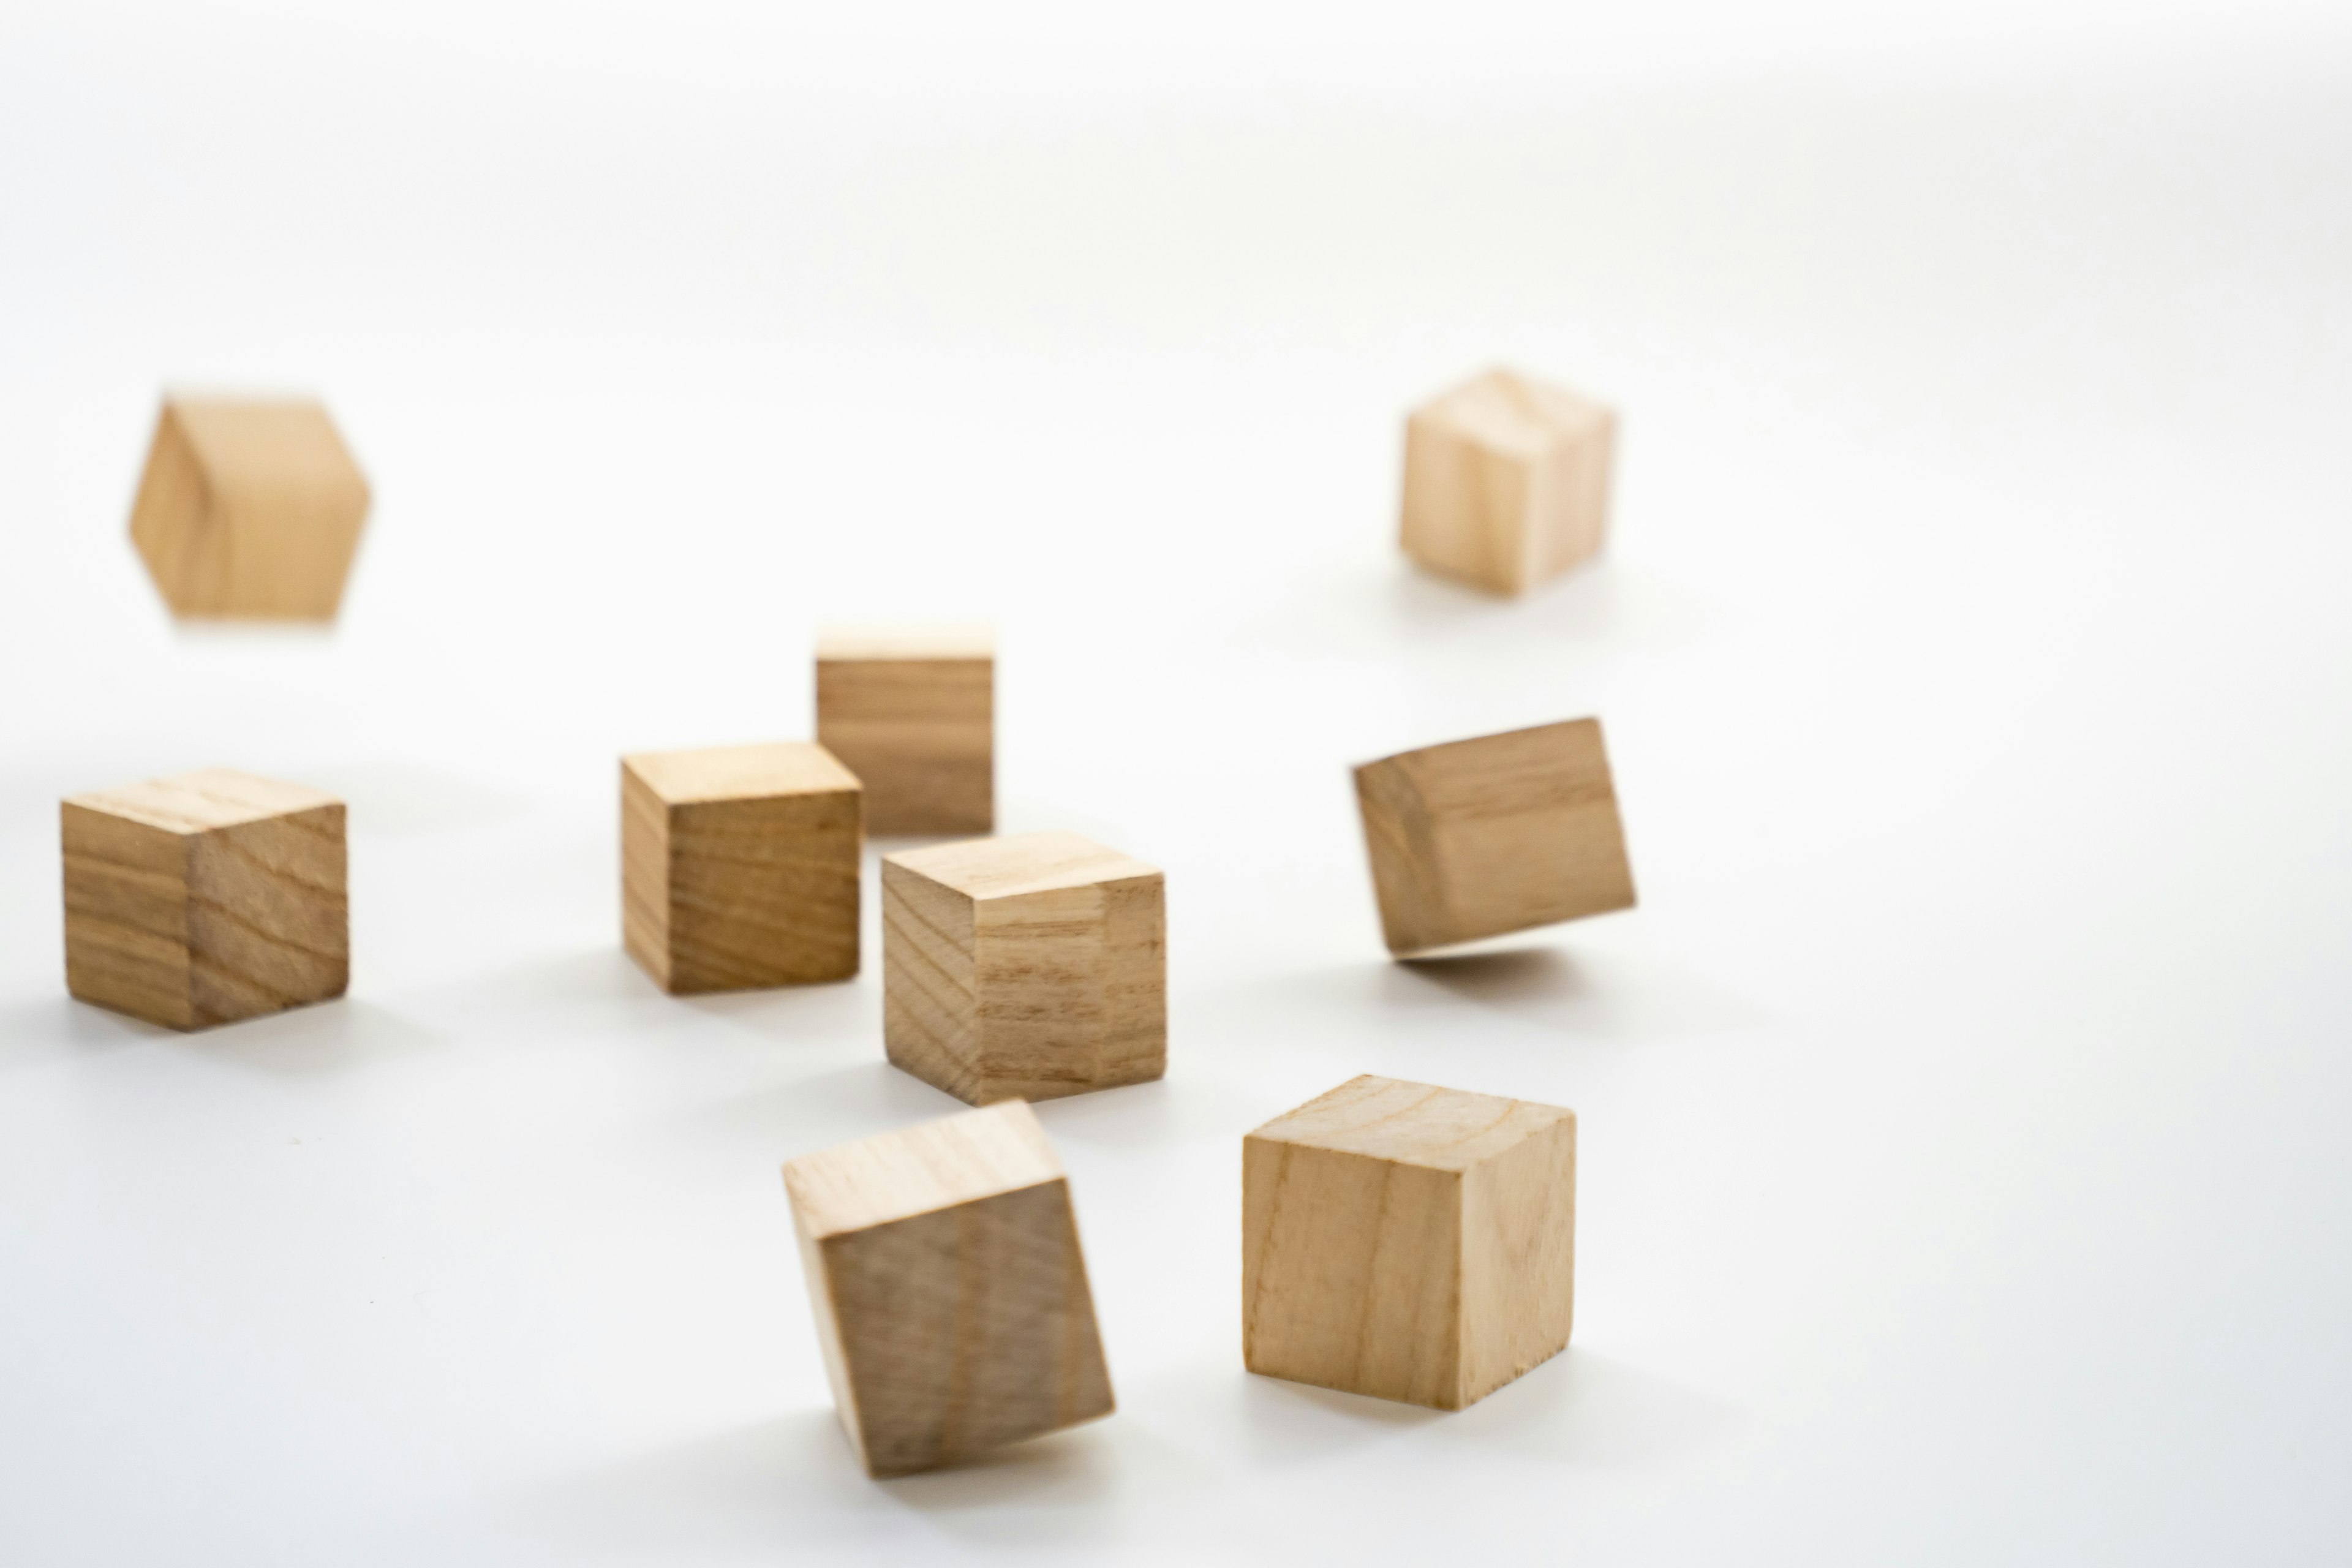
point(1026, 967)
point(205, 899)
point(250, 508)
point(1408, 1242)
point(740, 866)
point(1506, 482)
point(1478, 837)
point(911, 711)
point(950, 1294)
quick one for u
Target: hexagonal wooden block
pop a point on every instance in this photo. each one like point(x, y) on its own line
point(1408, 1242)
point(1506, 482)
point(1499, 834)
point(911, 711)
point(950, 1290)
point(205, 897)
point(1027, 967)
point(250, 508)
point(740, 866)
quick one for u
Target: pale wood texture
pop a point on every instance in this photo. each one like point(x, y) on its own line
point(1408, 1242)
point(205, 898)
point(249, 508)
point(1506, 482)
point(1499, 834)
point(740, 866)
point(1027, 967)
point(911, 711)
point(950, 1291)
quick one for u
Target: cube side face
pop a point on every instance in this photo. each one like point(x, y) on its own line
point(269, 915)
point(1466, 506)
point(1518, 1257)
point(1568, 500)
point(289, 551)
point(920, 736)
point(1072, 987)
point(644, 875)
point(1403, 857)
point(126, 916)
point(763, 891)
point(930, 999)
point(171, 525)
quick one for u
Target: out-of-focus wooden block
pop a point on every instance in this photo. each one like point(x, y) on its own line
point(250, 508)
point(950, 1294)
point(911, 711)
point(1027, 967)
point(205, 897)
point(739, 866)
point(1506, 482)
point(1478, 837)
point(1408, 1242)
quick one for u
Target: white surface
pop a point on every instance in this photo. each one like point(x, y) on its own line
point(1965, 1176)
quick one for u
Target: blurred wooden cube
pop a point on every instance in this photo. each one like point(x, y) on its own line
point(1499, 834)
point(1408, 1242)
point(1506, 482)
point(950, 1291)
point(205, 898)
point(1027, 967)
point(911, 711)
point(740, 866)
point(250, 508)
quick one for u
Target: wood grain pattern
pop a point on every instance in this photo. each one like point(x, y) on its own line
point(911, 711)
point(739, 867)
point(1408, 1242)
point(1028, 967)
point(1506, 482)
point(950, 1290)
point(205, 897)
point(250, 508)
point(1477, 838)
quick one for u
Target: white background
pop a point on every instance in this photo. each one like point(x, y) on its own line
point(1966, 1171)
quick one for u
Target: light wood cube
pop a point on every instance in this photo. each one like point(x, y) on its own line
point(1506, 482)
point(1027, 967)
point(1408, 1242)
point(740, 866)
point(205, 897)
point(950, 1291)
point(1478, 837)
point(911, 711)
point(250, 508)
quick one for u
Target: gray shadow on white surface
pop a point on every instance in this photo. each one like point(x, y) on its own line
point(394, 797)
point(1605, 604)
point(1589, 1409)
point(800, 1014)
point(342, 1036)
point(828, 1108)
point(1181, 1106)
point(53, 1027)
point(1594, 994)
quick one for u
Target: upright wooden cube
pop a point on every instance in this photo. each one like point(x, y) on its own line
point(739, 866)
point(250, 508)
point(911, 711)
point(1478, 837)
point(1506, 482)
point(1408, 1242)
point(950, 1294)
point(1027, 967)
point(205, 899)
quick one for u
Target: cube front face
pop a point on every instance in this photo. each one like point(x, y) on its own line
point(1506, 482)
point(920, 733)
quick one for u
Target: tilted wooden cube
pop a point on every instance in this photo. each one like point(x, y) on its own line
point(950, 1294)
point(1027, 967)
point(1478, 837)
point(911, 711)
point(250, 508)
point(1506, 482)
point(740, 866)
point(205, 898)
point(1408, 1242)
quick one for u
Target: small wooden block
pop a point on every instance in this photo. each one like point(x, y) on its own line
point(1028, 967)
point(205, 899)
point(1478, 837)
point(739, 866)
point(250, 508)
point(1506, 482)
point(911, 711)
point(1408, 1242)
point(951, 1293)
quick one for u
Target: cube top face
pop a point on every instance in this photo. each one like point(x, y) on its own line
point(957, 1159)
point(268, 445)
point(1506, 482)
point(740, 772)
point(1416, 1124)
point(1021, 865)
point(204, 800)
point(921, 641)
point(1506, 412)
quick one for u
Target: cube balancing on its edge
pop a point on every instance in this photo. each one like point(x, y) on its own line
point(1506, 482)
point(1478, 837)
point(911, 711)
point(739, 866)
point(205, 899)
point(250, 508)
point(1026, 967)
point(1408, 1242)
point(950, 1291)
